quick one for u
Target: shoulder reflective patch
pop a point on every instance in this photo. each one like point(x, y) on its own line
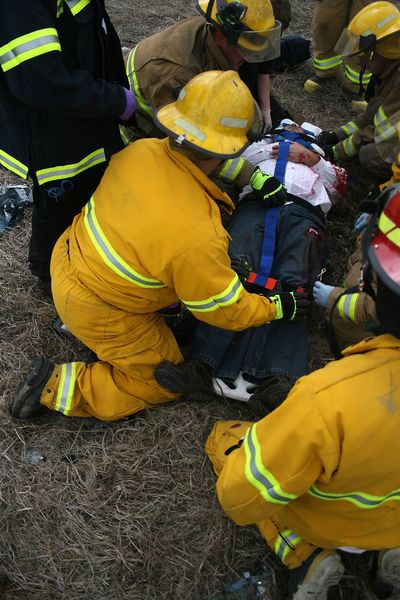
point(112, 259)
point(65, 171)
point(29, 46)
point(360, 499)
point(225, 298)
point(76, 6)
point(66, 388)
point(258, 476)
point(14, 165)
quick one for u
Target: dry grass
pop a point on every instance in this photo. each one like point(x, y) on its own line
point(127, 510)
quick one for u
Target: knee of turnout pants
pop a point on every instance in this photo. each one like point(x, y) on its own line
point(290, 548)
point(374, 166)
point(129, 347)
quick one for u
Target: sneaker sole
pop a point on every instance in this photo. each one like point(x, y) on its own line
point(316, 585)
point(389, 569)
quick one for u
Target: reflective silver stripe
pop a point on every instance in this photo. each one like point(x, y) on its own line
point(347, 305)
point(231, 168)
point(28, 46)
point(285, 542)
point(13, 164)
point(349, 148)
point(190, 128)
point(358, 498)
point(268, 486)
point(67, 383)
point(76, 6)
point(112, 259)
point(65, 171)
point(324, 64)
point(350, 127)
point(214, 302)
point(232, 122)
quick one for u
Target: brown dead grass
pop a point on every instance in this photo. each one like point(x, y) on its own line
point(127, 510)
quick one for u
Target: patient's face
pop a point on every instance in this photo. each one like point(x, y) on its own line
point(295, 128)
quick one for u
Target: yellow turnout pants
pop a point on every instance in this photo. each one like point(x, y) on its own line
point(129, 346)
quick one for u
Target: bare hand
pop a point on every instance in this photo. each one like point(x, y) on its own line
point(298, 154)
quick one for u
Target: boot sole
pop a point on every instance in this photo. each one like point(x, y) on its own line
point(317, 582)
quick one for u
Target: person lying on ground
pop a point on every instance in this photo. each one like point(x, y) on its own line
point(151, 236)
point(281, 249)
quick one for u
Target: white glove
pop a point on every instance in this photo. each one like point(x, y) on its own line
point(266, 117)
point(361, 222)
point(321, 293)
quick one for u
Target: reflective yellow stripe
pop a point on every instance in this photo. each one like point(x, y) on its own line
point(60, 8)
point(124, 136)
point(225, 298)
point(349, 148)
point(14, 165)
point(347, 306)
point(28, 46)
point(134, 84)
point(112, 259)
point(76, 6)
point(354, 76)
point(390, 229)
point(66, 388)
point(350, 127)
point(231, 168)
point(324, 64)
point(360, 499)
point(65, 171)
point(380, 116)
point(258, 476)
point(285, 543)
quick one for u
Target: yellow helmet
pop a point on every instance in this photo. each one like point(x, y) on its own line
point(387, 138)
point(375, 27)
point(250, 25)
point(213, 114)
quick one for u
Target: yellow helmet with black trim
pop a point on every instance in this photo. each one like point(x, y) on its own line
point(213, 114)
point(375, 28)
point(250, 25)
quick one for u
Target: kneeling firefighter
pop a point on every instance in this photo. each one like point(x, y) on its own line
point(151, 236)
point(319, 476)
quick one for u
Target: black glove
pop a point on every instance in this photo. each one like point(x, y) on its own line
point(267, 188)
point(327, 138)
point(290, 306)
point(241, 267)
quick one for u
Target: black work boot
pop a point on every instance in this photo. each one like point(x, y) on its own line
point(27, 400)
point(191, 378)
point(270, 394)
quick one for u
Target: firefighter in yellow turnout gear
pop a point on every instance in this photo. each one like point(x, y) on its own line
point(321, 472)
point(373, 36)
point(151, 236)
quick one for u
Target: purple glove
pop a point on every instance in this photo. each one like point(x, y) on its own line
point(130, 105)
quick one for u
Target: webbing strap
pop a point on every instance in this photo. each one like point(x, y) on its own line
point(270, 221)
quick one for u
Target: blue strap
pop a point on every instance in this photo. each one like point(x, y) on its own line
point(270, 221)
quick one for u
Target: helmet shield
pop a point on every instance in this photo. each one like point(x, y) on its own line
point(350, 44)
point(259, 46)
point(387, 138)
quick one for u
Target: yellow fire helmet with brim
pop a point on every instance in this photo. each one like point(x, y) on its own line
point(214, 114)
point(375, 28)
point(249, 25)
point(387, 139)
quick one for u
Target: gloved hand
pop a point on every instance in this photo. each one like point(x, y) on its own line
point(130, 106)
point(267, 121)
point(361, 222)
point(327, 138)
point(267, 188)
point(321, 293)
point(290, 306)
point(241, 267)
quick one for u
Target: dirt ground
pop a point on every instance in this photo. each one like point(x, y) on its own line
point(127, 510)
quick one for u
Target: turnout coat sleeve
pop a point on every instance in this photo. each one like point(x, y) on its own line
point(280, 458)
point(50, 78)
point(204, 281)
